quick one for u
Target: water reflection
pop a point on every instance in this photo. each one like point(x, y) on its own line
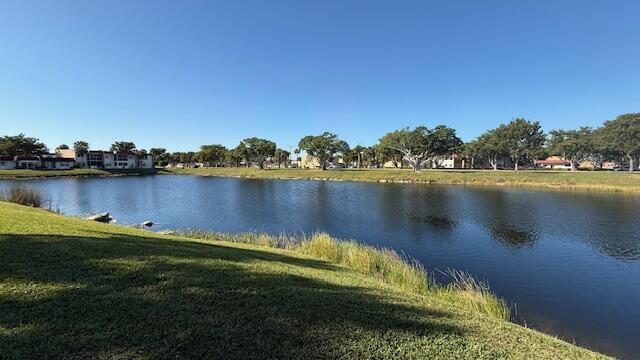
point(437, 222)
point(621, 248)
point(514, 237)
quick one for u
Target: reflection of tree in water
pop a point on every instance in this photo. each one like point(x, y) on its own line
point(434, 209)
point(439, 222)
point(620, 248)
point(508, 219)
point(514, 237)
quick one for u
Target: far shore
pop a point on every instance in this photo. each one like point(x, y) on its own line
point(608, 181)
point(44, 173)
point(561, 180)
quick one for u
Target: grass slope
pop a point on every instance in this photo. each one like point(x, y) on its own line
point(79, 289)
point(28, 173)
point(564, 180)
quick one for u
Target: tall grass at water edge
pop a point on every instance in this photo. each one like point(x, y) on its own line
point(382, 263)
point(23, 195)
point(28, 196)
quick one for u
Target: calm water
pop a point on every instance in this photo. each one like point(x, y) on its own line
point(570, 261)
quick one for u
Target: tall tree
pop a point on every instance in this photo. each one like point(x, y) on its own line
point(174, 158)
point(623, 135)
point(62, 147)
point(212, 155)
point(123, 146)
point(233, 157)
point(188, 158)
point(574, 146)
point(157, 151)
point(602, 150)
point(442, 141)
point(357, 155)
point(324, 147)
point(160, 156)
point(384, 154)
point(419, 144)
point(491, 145)
point(412, 144)
point(471, 151)
point(256, 150)
point(281, 157)
point(371, 156)
point(81, 147)
point(524, 139)
point(21, 145)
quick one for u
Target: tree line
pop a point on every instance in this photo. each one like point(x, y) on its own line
point(515, 144)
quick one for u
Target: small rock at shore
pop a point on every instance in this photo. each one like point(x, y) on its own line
point(101, 217)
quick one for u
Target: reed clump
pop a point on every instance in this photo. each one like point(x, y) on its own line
point(23, 195)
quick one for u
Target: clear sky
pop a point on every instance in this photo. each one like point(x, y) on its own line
point(179, 74)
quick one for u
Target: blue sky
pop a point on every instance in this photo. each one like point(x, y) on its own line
point(179, 74)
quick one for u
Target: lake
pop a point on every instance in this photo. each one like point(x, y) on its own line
point(569, 261)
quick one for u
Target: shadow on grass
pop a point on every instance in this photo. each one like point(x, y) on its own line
point(127, 296)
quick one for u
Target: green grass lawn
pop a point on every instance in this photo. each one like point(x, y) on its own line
point(565, 180)
point(79, 289)
point(28, 173)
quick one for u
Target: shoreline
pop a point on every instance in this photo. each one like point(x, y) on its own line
point(73, 173)
point(429, 177)
point(605, 182)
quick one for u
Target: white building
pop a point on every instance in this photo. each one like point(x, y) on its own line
point(146, 162)
point(7, 163)
point(448, 161)
point(27, 162)
point(98, 159)
point(55, 162)
point(36, 162)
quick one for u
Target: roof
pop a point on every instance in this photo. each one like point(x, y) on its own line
point(58, 159)
point(24, 158)
point(6, 158)
point(550, 161)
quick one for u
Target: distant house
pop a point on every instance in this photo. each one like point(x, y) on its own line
point(312, 162)
point(396, 164)
point(80, 160)
point(55, 162)
point(553, 162)
point(99, 159)
point(27, 162)
point(145, 162)
point(36, 162)
point(448, 161)
point(7, 162)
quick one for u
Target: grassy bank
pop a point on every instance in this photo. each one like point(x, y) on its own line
point(74, 288)
point(565, 180)
point(383, 264)
point(28, 173)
